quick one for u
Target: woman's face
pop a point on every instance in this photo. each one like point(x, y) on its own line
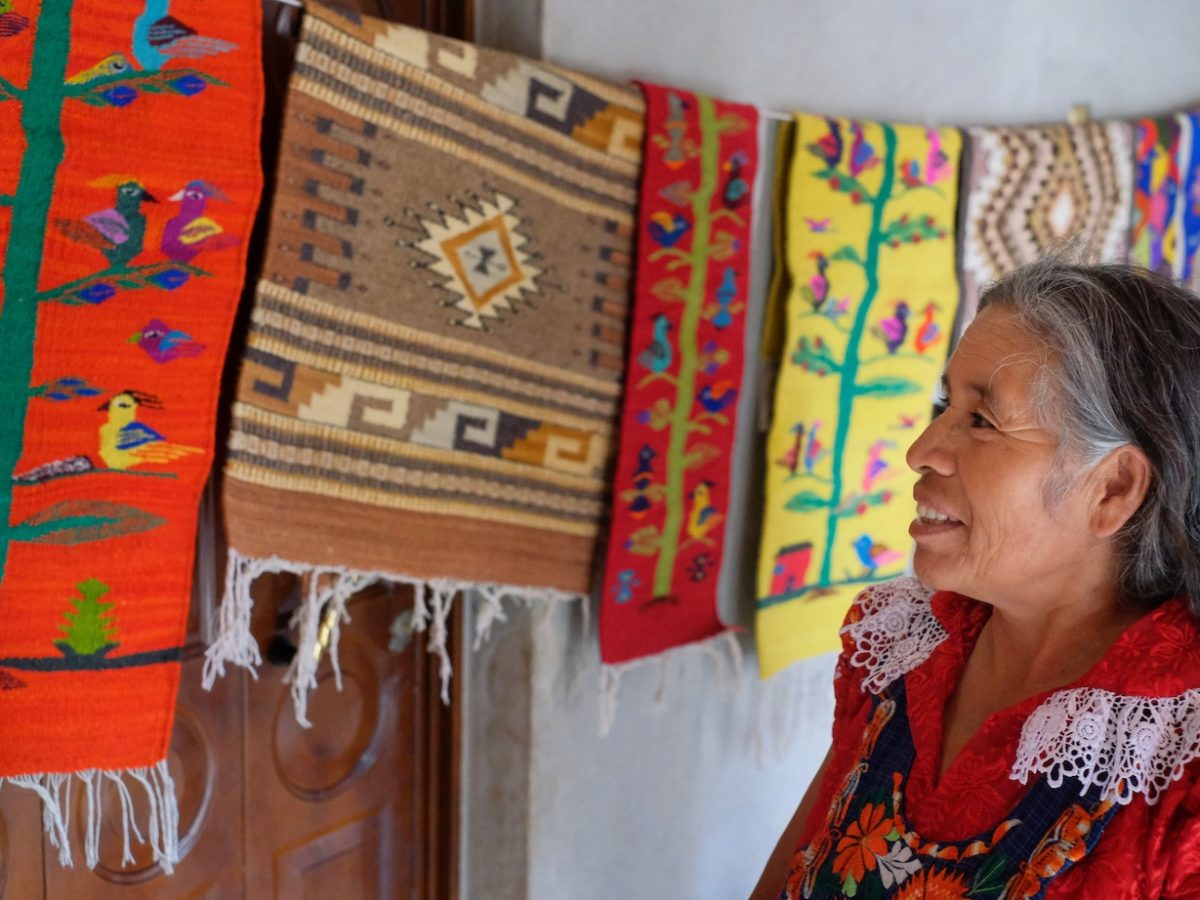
point(984, 527)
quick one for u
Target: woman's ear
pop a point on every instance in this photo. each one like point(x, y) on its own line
point(1123, 478)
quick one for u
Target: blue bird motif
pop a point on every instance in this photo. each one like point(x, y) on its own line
point(726, 293)
point(862, 154)
point(658, 355)
point(716, 397)
point(627, 580)
point(645, 461)
point(737, 189)
point(874, 556)
point(158, 37)
point(666, 228)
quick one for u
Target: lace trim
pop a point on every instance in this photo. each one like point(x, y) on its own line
point(896, 633)
point(1126, 745)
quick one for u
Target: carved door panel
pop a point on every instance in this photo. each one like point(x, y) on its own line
point(20, 845)
point(357, 806)
point(336, 810)
point(205, 763)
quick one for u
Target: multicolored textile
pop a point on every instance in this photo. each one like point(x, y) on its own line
point(1031, 191)
point(871, 295)
point(1091, 790)
point(435, 353)
point(683, 376)
point(1165, 231)
point(129, 179)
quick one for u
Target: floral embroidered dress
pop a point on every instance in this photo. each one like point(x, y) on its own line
point(1092, 790)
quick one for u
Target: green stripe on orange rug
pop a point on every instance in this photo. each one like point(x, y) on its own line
point(124, 216)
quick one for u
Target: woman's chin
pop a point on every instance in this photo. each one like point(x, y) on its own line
point(932, 572)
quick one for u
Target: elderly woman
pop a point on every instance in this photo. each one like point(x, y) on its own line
point(1024, 719)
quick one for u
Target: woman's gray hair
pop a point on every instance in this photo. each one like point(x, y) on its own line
point(1125, 344)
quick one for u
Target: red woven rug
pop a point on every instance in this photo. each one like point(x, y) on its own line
point(683, 375)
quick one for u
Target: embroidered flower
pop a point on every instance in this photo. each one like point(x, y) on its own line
point(898, 864)
point(1089, 728)
point(934, 884)
point(1144, 739)
point(894, 620)
point(865, 841)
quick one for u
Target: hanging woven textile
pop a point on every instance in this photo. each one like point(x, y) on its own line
point(1165, 230)
point(129, 179)
point(683, 375)
point(1054, 188)
point(869, 296)
point(431, 379)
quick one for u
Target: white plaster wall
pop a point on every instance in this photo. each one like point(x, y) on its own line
point(676, 801)
point(955, 62)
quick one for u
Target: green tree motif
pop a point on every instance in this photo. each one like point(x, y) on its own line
point(881, 236)
point(90, 630)
point(42, 100)
point(706, 246)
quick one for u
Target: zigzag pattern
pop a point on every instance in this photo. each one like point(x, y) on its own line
point(1037, 190)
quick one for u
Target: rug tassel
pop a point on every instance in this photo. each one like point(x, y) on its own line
point(610, 689)
point(443, 592)
point(323, 610)
point(730, 670)
point(234, 642)
point(490, 611)
point(776, 714)
point(420, 618)
point(302, 673)
point(56, 789)
point(660, 693)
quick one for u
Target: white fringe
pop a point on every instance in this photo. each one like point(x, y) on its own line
point(489, 613)
point(610, 689)
point(322, 612)
point(730, 670)
point(55, 790)
point(318, 621)
point(784, 707)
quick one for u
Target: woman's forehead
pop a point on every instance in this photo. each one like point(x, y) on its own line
point(997, 356)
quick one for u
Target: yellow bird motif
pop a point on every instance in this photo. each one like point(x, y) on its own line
point(113, 64)
point(702, 516)
point(125, 442)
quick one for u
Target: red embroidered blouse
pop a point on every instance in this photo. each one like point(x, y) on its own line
point(1149, 850)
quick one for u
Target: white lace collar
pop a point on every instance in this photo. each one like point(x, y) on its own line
point(1127, 745)
point(896, 633)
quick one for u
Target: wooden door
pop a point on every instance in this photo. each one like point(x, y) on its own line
point(358, 806)
point(362, 805)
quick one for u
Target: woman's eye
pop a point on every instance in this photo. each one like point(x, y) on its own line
point(940, 407)
point(978, 421)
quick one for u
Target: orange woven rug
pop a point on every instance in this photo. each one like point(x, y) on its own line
point(129, 179)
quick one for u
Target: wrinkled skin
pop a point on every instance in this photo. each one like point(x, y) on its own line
point(985, 462)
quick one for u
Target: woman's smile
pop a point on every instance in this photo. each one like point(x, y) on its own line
point(931, 519)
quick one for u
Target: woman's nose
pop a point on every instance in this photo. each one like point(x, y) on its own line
point(931, 451)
